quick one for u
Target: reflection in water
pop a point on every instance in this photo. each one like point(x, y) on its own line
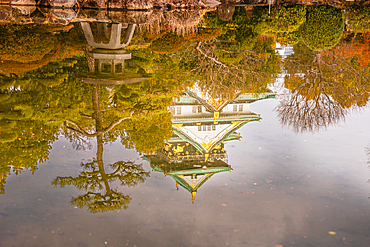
point(176, 88)
point(95, 178)
point(325, 81)
point(201, 126)
point(324, 86)
point(367, 150)
point(226, 11)
point(107, 61)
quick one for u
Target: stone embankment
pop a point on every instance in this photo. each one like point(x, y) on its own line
point(177, 20)
point(169, 4)
point(114, 4)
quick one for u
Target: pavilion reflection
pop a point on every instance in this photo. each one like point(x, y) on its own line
point(201, 126)
point(106, 54)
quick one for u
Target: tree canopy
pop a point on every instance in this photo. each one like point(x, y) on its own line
point(323, 28)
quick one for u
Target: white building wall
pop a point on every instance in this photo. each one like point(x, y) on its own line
point(235, 108)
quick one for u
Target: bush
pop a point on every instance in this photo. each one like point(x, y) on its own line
point(323, 28)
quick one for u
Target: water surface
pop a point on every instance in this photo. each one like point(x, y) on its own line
point(225, 131)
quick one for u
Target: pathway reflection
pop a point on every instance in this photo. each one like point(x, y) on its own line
point(201, 126)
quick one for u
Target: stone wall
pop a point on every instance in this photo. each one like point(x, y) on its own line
point(113, 4)
point(150, 4)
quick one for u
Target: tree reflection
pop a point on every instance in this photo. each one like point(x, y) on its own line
point(95, 177)
point(240, 59)
point(323, 86)
point(304, 115)
point(323, 28)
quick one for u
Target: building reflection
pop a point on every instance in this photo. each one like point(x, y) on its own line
point(201, 126)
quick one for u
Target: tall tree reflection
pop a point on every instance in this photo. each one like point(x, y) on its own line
point(323, 88)
point(95, 175)
point(324, 85)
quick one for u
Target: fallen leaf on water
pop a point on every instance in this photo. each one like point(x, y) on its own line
point(224, 205)
point(332, 233)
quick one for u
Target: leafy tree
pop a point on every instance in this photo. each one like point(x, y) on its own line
point(224, 71)
point(147, 133)
point(357, 18)
point(25, 43)
point(169, 43)
point(23, 145)
point(283, 19)
point(33, 107)
point(324, 27)
point(290, 38)
point(356, 48)
point(95, 179)
point(322, 87)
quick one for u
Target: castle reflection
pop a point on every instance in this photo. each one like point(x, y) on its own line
point(201, 126)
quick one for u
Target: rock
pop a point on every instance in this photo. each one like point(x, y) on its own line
point(5, 13)
point(25, 10)
point(8, 2)
point(65, 14)
point(58, 3)
point(138, 4)
point(23, 2)
point(94, 15)
point(94, 4)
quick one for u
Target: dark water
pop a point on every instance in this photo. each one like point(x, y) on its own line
point(193, 129)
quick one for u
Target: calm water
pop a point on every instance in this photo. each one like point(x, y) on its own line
point(186, 129)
